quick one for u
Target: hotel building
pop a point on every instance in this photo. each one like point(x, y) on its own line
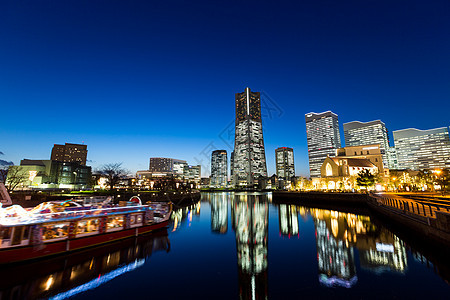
point(249, 155)
point(422, 149)
point(322, 132)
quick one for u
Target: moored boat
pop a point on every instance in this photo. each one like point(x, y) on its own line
point(31, 234)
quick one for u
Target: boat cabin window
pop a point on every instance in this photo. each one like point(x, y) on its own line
point(136, 220)
point(88, 226)
point(55, 231)
point(5, 236)
point(20, 235)
point(115, 223)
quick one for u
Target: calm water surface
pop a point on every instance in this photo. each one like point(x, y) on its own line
point(242, 246)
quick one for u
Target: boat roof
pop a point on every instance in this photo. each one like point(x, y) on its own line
point(23, 217)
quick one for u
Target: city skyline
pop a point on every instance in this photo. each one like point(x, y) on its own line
point(69, 72)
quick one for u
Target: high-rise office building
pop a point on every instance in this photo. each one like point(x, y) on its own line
point(367, 133)
point(422, 149)
point(232, 167)
point(322, 132)
point(284, 158)
point(76, 153)
point(392, 158)
point(249, 155)
point(219, 168)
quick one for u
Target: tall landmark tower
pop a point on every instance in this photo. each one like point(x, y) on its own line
point(249, 161)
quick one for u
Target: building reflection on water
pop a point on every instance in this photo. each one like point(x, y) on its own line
point(67, 276)
point(288, 220)
point(337, 234)
point(250, 218)
point(181, 215)
point(219, 213)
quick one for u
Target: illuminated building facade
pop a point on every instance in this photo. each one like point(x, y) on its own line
point(49, 174)
point(284, 158)
point(192, 173)
point(169, 166)
point(367, 133)
point(422, 149)
point(371, 152)
point(232, 167)
point(250, 215)
point(219, 168)
point(249, 161)
point(392, 158)
point(323, 137)
point(71, 153)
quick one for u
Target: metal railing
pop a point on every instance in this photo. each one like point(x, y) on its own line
point(414, 207)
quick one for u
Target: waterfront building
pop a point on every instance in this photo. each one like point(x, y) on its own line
point(322, 133)
point(367, 133)
point(69, 153)
point(373, 153)
point(48, 174)
point(422, 149)
point(219, 168)
point(167, 166)
point(249, 161)
point(341, 172)
point(284, 158)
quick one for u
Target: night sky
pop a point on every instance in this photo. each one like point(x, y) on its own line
point(139, 79)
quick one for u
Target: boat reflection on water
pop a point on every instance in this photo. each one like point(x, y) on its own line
point(64, 277)
point(337, 234)
point(250, 219)
point(181, 214)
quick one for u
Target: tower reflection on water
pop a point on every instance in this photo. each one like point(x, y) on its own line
point(250, 219)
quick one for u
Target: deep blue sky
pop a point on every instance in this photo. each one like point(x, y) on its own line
point(137, 79)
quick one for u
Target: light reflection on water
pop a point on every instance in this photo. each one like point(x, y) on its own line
point(315, 252)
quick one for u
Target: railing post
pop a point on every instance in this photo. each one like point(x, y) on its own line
point(424, 211)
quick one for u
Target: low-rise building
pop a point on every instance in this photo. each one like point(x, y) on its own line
point(341, 172)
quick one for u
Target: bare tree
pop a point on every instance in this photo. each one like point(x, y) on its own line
point(3, 173)
point(113, 173)
point(16, 176)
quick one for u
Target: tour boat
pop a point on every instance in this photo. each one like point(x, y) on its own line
point(46, 230)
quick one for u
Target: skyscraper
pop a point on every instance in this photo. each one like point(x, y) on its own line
point(249, 155)
point(219, 168)
point(284, 158)
point(422, 149)
point(322, 133)
point(70, 153)
point(367, 133)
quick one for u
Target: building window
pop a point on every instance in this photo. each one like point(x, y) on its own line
point(329, 170)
